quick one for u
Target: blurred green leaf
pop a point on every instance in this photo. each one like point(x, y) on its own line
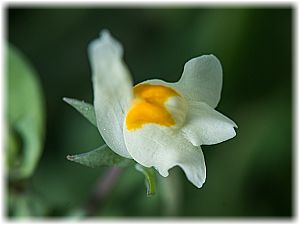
point(12, 148)
point(149, 178)
point(27, 204)
point(25, 114)
point(21, 209)
point(102, 156)
point(86, 109)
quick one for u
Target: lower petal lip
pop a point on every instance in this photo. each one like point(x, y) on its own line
point(154, 146)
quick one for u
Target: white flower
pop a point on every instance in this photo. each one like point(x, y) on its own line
point(157, 123)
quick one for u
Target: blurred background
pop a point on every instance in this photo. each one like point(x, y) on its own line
point(247, 176)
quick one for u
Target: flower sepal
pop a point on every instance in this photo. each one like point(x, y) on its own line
point(149, 174)
point(85, 109)
point(102, 156)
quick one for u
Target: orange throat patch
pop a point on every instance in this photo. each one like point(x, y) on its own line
point(149, 106)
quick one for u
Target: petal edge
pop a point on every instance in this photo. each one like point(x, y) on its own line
point(206, 126)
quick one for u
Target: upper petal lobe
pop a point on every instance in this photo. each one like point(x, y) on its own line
point(112, 90)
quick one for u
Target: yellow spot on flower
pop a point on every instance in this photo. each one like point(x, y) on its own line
point(148, 106)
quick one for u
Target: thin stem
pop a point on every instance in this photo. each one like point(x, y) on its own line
point(102, 190)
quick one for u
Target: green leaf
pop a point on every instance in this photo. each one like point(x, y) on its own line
point(12, 148)
point(25, 116)
point(26, 204)
point(102, 156)
point(149, 178)
point(86, 109)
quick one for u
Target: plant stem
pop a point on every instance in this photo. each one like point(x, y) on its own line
point(102, 190)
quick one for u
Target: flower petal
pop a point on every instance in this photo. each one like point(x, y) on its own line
point(162, 148)
point(204, 125)
point(112, 90)
point(201, 80)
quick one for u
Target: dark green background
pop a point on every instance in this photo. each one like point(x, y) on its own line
point(248, 176)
